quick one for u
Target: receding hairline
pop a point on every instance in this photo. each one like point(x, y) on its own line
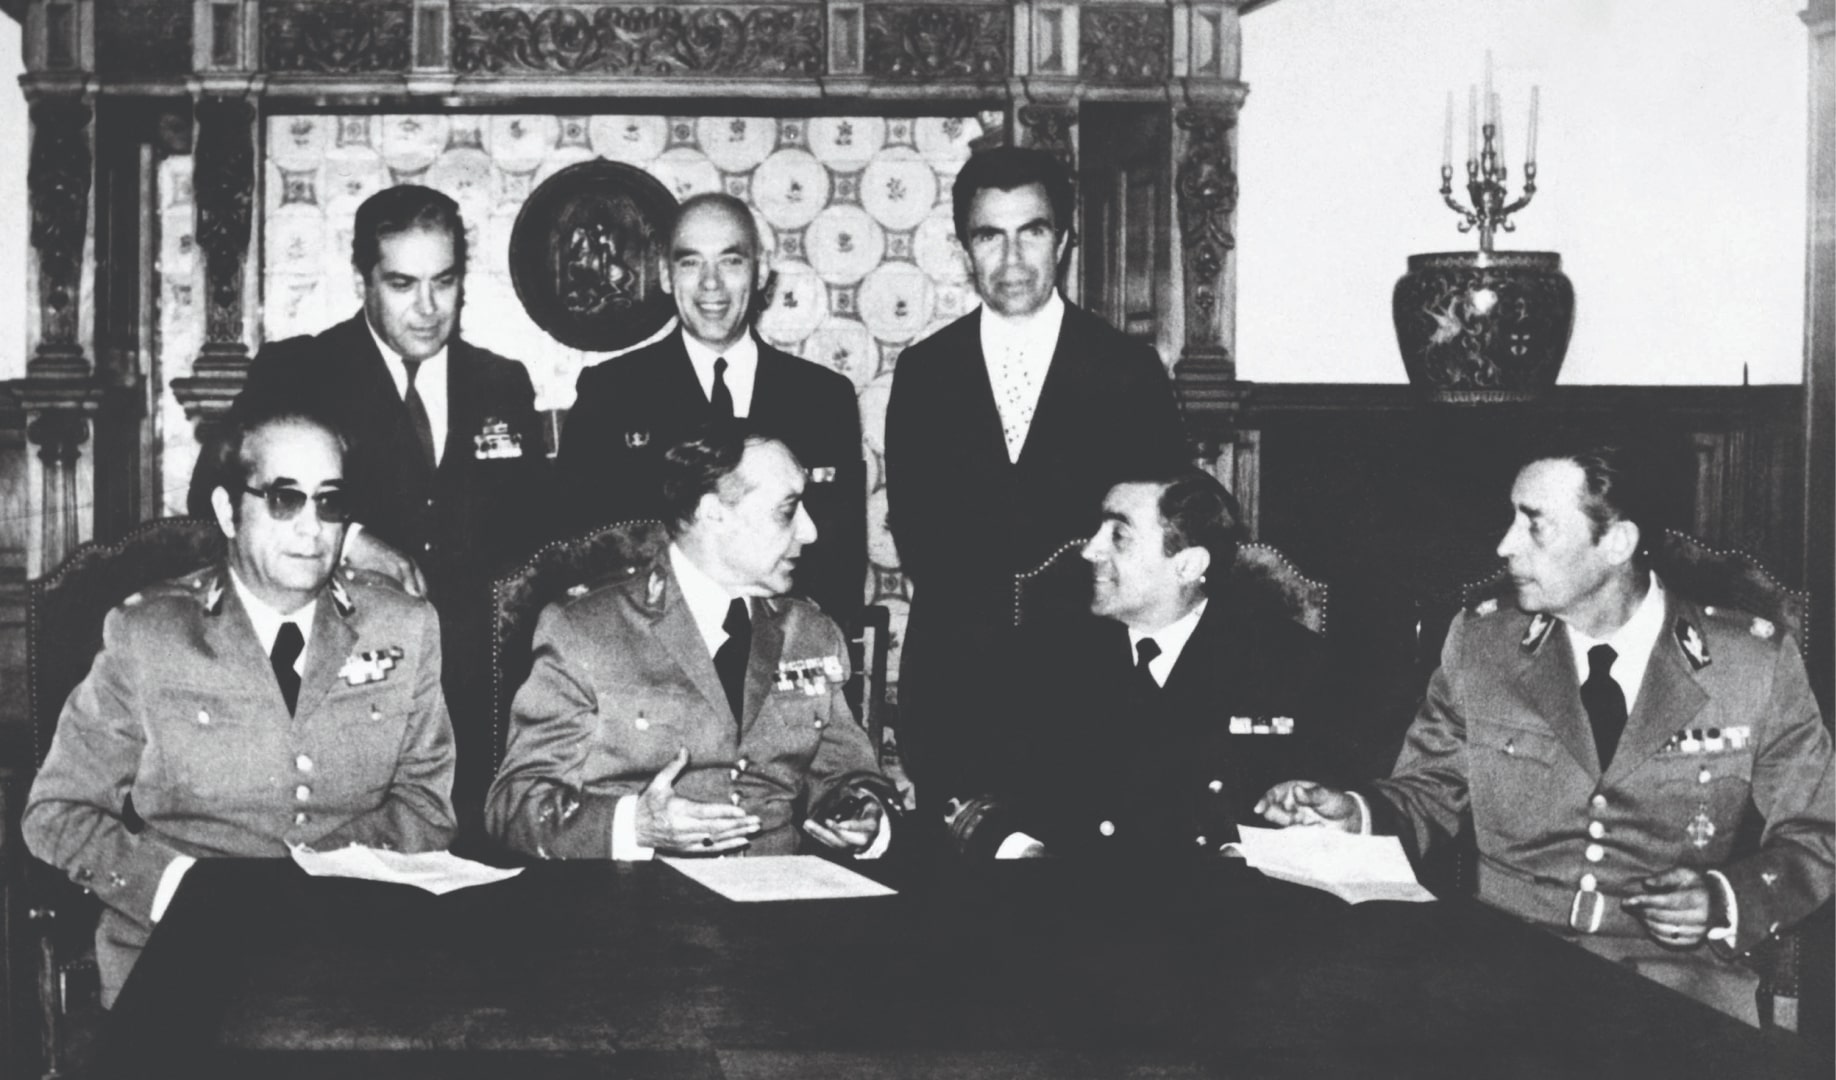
point(715, 204)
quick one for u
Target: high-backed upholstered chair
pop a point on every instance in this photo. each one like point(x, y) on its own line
point(1714, 577)
point(64, 613)
point(1060, 586)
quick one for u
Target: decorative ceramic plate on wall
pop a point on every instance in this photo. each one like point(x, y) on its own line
point(585, 255)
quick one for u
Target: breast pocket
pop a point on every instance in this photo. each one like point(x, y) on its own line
point(1711, 787)
point(641, 728)
point(1511, 773)
point(210, 749)
point(355, 736)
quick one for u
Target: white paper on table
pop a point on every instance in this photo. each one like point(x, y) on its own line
point(1352, 867)
point(439, 872)
point(779, 877)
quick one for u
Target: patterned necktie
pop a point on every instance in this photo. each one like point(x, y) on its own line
point(730, 659)
point(1016, 399)
point(288, 644)
point(1145, 651)
point(721, 397)
point(417, 414)
point(1604, 701)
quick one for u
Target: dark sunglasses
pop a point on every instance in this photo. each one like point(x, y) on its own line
point(284, 503)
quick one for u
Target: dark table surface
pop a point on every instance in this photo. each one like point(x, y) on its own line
point(1027, 969)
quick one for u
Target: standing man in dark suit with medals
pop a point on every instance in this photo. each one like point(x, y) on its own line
point(448, 476)
point(629, 409)
point(1003, 433)
point(1150, 730)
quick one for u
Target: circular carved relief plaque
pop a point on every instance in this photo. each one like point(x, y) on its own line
point(585, 255)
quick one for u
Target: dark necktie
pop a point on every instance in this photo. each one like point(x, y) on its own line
point(730, 658)
point(417, 414)
point(288, 644)
point(1145, 651)
point(721, 397)
point(1604, 701)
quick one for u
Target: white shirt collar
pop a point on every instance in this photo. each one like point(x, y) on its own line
point(706, 598)
point(1633, 643)
point(268, 621)
point(1031, 334)
point(1172, 640)
point(429, 382)
point(742, 359)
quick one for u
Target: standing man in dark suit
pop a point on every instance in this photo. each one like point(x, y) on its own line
point(1151, 729)
point(1611, 808)
point(629, 409)
point(1003, 433)
point(447, 465)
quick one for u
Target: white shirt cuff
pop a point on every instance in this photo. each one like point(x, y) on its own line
point(1364, 813)
point(168, 884)
point(1729, 932)
point(1017, 846)
point(624, 832)
point(881, 840)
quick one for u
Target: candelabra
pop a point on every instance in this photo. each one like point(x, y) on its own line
point(1487, 191)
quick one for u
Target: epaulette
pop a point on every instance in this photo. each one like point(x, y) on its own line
point(1762, 628)
point(1487, 606)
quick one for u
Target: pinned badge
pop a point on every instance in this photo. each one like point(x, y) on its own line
point(1240, 725)
point(1537, 630)
point(496, 440)
point(1701, 828)
point(1763, 628)
point(823, 474)
point(637, 440)
point(371, 666)
point(1693, 645)
point(810, 676)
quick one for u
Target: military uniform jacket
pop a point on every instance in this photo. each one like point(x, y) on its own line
point(181, 713)
point(490, 500)
point(1109, 767)
point(628, 410)
point(1723, 721)
point(622, 679)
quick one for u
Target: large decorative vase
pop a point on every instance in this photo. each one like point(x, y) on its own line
point(1479, 326)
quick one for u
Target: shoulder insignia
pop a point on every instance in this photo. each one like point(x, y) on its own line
point(653, 592)
point(134, 601)
point(1538, 629)
point(1693, 644)
point(341, 598)
point(1486, 606)
point(1763, 628)
point(575, 592)
point(213, 596)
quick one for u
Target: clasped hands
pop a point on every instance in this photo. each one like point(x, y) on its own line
point(1675, 906)
point(669, 822)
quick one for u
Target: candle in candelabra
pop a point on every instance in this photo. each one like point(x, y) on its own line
point(1498, 150)
point(1447, 135)
point(1472, 123)
point(1530, 138)
point(1489, 118)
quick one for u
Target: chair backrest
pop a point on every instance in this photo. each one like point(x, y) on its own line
point(1262, 575)
point(1709, 576)
point(65, 608)
point(605, 556)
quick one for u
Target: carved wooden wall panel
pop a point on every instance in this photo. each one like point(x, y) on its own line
point(642, 41)
point(1125, 44)
point(335, 37)
point(932, 42)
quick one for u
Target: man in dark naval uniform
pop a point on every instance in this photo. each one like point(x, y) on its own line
point(447, 465)
point(1151, 729)
point(629, 409)
point(1606, 806)
point(1003, 432)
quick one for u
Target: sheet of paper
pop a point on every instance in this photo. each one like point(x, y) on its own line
point(1356, 867)
point(779, 877)
point(439, 872)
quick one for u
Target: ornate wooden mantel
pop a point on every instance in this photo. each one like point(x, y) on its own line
point(104, 74)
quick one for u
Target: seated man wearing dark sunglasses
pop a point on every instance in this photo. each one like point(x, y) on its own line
point(260, 703)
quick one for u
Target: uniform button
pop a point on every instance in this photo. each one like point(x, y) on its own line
point(428, 546)
point(1215, 786)
point(742, 764)
point(1107, 828)
point(1599, 802)
point(1596, 830)
point(302, 793)
point(301, 818)
point(1200, 841)
point(641, 724)
point(733, 797)
point(1589, 883)
point(203, 716)
point(1703, 777)
point(1595, 853)
point(303, 763)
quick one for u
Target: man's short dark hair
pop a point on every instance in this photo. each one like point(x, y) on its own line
point(1197, 511)
point(1618, 483)
point(400, 209)
point(699, 466)
point(1005, 168)
point(249, 418)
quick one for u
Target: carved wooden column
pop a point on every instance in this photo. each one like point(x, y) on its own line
point(223, 184)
